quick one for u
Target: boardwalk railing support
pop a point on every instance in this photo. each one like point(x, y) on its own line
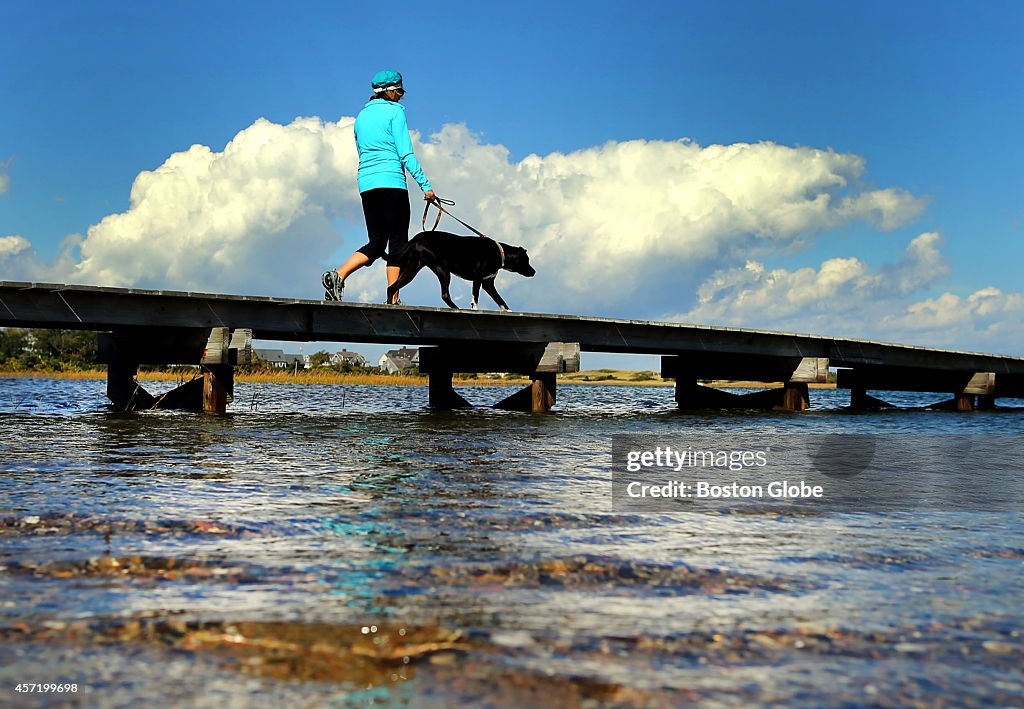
point(215, 350)
point(794, 374)
point(541, 362)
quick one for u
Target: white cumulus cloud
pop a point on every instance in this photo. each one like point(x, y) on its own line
point(625, 228)
point(12, 246)
point(603, 224)
point(253, 218)
point(988, 315)
point(753, 295)
point(845, 297)
point(17, 260)
point(610, 220)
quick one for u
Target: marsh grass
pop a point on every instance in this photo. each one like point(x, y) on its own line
point(327, 376)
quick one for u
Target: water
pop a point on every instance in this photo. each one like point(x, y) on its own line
point(346, 546)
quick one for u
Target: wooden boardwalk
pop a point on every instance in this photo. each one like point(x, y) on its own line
point(159, 327)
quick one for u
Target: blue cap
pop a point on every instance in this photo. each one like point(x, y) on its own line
point(386, 80)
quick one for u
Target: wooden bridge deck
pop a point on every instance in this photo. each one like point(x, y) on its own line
point(690, 351)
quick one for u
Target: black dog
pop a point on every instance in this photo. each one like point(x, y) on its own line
point(474, 258)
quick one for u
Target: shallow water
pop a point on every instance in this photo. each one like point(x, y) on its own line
point(346, 546)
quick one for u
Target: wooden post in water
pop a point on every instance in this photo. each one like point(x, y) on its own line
point(218, 373)
point(218, 383)
point(795, 390)
point(121, 384)
point(542, 389)
point(986, 403)
point(860, 400)
point(977, 392)
point(690, 394)
point(858, 396)
point(795, 397)
point(965, 386)
point(215, 350)
point(440, 392)
point(794, 373)
point(540, 362)
point(964, 402)
point(124, 392)
point(541, 395)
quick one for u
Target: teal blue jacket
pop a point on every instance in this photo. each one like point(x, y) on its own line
point(385, 148)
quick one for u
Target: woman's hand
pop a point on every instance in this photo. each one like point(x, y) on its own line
point(429, 195)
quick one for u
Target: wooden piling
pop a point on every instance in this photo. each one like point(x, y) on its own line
point(793, 373)
point(543, 390)
point(215, 350)
point(541, 362)
point(440, 392)
point(860, 400)
point(124, 391)
point(965, 386)
point(795, 397)
point(218, 384)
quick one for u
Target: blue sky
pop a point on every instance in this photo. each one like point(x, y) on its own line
point(923, 101)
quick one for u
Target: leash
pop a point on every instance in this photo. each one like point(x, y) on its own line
point(440, 204)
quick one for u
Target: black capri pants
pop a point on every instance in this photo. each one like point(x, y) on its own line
point(387, 212)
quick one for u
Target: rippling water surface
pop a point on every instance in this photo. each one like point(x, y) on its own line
point(346, 546)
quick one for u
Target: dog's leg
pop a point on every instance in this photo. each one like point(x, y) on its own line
point(445, 278)
point(405, 277)
point(493, 292)
point(476, 293)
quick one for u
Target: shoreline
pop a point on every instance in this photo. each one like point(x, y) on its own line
point(589, 377)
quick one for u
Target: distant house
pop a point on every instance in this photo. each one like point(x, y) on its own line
point(280, 360)
point(299, 361)
point(275, 358)
point(394, 361)
point(353, 359)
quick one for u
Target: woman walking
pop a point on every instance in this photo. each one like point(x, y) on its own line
point(385, 154)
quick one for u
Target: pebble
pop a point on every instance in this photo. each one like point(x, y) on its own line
point(512, 638)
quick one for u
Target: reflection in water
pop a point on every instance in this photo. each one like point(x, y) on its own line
point(260, 544)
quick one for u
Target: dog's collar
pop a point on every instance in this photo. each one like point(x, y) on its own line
point(501, 252)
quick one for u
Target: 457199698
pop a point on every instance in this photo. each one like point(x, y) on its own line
point(35, 687)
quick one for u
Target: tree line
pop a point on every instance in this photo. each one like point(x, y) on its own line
point(56, 350)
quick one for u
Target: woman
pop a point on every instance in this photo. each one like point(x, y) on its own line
point(385, 153)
